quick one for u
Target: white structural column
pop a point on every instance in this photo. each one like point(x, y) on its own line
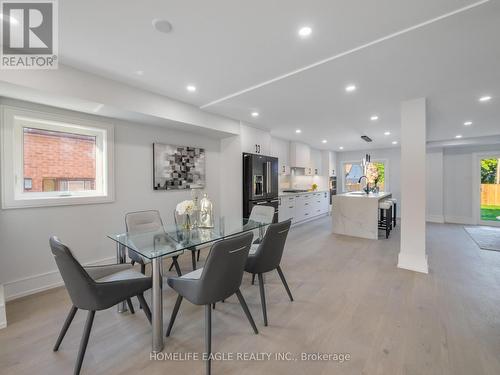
point(412, 255)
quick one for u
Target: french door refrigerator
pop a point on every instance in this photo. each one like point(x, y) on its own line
point(260, 183)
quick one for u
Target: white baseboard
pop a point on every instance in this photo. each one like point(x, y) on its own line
point(459, 219)
point(41, 282)
point(3, 315)
point(435, 219)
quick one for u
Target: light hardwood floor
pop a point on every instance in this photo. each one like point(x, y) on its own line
point(349, 298)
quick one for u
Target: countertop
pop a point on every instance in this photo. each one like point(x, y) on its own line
point(379, 195)
point(283, 194)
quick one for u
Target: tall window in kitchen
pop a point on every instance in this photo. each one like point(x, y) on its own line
point(352, 172)
point(51, 160)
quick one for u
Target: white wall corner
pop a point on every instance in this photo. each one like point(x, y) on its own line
point(3, 311)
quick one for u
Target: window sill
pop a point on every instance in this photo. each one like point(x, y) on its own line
point(58, 201)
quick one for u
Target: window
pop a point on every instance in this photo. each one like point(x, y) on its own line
point(353, 170)
point(53, 160)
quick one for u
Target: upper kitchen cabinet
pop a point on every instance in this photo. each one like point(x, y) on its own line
point(300, 155)
point(280, 149)
point(317, 169)
point(329, 160)
point(255, 141)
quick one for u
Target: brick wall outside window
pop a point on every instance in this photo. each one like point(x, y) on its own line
point(60, 156)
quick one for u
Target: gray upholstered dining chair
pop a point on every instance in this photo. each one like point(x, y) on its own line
point(219, 279)
point(261, 214)
point(266, 257)
point(145, 221)
point(96, 288)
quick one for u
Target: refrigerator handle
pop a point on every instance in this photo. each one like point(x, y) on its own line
point(268, 178)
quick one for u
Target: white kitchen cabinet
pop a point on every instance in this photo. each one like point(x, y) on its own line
point(316, 166)
point(287, 208)
point(280, 149)
point(255, 141)
point(300, 155)
point(303, 207)
point(328, 162)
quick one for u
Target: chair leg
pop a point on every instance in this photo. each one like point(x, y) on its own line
point(246, 310)
point(84, 342)
point(143, 269)
point(253, 278)
point(144, 306)
point(208, 337)
point(130, 306)
point(394, 216)
point(175, 263)
point(283, 280)
point(388, 222)
point(193, 259)
point(174, 314)
point(132, 262)
point(263, 298)
point(213, 306)
point(198, 256)
point(65, 327)
point(171, 266)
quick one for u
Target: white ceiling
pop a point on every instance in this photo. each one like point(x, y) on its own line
point(225, 46)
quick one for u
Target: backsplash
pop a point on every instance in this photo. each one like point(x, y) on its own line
point(303, 182)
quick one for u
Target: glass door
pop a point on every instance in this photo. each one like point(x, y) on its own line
point(490, 190)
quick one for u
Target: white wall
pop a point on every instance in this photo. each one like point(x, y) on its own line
point(458, 184)
point(392, 157)
point(26, 261)
point(434, 186)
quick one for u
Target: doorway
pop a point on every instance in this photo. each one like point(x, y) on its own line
point(489, 190)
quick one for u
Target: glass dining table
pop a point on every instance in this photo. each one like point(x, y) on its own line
point(159, 244)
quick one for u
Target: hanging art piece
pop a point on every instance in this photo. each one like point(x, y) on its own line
point(178, 167)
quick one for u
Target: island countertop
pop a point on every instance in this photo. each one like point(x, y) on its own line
point(356, 213)
point(359, 194)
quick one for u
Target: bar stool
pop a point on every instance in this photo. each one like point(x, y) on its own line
point(385, 221)
point(394, 210)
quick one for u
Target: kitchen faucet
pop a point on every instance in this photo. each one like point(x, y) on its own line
point(367, 188)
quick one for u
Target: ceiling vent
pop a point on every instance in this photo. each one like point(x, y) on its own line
point(366, 138)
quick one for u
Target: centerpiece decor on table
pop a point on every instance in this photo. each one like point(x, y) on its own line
point(206, 212)
point(186, 208)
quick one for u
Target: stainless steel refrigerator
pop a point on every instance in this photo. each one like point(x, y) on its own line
point(260, 183)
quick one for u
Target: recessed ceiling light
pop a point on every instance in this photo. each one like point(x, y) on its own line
point(387, 133)
point(468, 123)
point(139, 72)
point(162, 26)
point(394, 142)
point(374, 118)
point(298, 131)
point(485, 98)
point(255, 114)
point(324, 141)
point(341, 147)
point(191, 88)
point(458, 136)
point(350, 88)
point(305, 31)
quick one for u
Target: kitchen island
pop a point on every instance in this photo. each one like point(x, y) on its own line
point(356, 214)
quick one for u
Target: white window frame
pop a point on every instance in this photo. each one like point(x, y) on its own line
point(386, 170)
point(12, 172)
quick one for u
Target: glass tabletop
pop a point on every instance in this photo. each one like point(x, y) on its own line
point(174, 238)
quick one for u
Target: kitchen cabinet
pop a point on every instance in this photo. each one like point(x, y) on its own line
point(316, 167)
point(300, 155)
point(255, 141)
point(287, 208)
point(280, 149)
point(328, 161)
point(304, 207)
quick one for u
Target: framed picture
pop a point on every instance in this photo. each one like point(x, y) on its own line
point(178, 167)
